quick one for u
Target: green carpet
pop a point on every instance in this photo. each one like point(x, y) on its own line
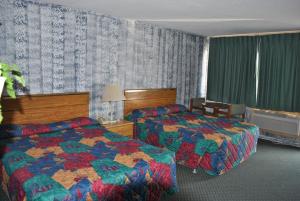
point(271, 174)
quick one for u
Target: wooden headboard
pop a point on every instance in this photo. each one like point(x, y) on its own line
point(44, 108)
point(141, 98)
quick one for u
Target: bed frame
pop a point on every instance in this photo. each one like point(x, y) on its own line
point(44, 108)
point(141, 98)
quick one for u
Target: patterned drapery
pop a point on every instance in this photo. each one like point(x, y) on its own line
point(67, 50)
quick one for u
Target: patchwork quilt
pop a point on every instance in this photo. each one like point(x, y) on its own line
point(214, 144)
point(80, 160)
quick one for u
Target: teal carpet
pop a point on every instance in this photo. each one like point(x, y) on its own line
point(271, 174)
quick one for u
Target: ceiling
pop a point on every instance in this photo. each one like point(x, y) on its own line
point(203, 17)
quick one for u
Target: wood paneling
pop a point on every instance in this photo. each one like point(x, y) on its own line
point(45, 108)
point(124, 128)
point(138, 94)
point(142, 98)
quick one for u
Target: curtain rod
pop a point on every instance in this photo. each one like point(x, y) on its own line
point(256, 34)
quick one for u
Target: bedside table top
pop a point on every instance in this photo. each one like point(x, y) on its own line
point(116, 124)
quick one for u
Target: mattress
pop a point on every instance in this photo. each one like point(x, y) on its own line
point(80, 160)
point(213, 144)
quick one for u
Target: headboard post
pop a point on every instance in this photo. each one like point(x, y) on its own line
point(44, 108)
point(141, 98)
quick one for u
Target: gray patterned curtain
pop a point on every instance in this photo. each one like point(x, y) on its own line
point(66, 50)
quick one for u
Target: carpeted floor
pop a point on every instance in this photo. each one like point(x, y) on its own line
point(272, 174)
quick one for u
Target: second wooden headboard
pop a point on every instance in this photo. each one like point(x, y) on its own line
point(141, 98)
point(45, 108)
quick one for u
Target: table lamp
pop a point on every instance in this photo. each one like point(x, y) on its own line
point(112, 93)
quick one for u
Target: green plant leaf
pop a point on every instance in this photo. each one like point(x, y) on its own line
point(20, 80)
point(10, 89)
point(11, 73)
point(9, 83)
point(5, 67)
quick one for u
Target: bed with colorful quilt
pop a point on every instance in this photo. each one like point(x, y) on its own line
point(214, 144)
point(78, 159)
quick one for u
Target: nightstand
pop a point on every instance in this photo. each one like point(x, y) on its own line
point(122, 127)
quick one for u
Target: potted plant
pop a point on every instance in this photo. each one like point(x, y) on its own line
point(9, 74)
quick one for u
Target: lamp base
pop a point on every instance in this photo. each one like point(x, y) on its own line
point(109, 121)
point(112, 121)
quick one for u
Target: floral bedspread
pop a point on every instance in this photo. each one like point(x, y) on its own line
point(214, 144)
point(80, 160)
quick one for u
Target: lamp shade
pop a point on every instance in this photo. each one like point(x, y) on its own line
point(112, 92)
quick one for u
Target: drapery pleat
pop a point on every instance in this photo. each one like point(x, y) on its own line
point(231, 70)
point(61, 49)
point(279, 74)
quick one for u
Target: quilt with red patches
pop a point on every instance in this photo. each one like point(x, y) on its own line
point(214, 144)
point(81, 160)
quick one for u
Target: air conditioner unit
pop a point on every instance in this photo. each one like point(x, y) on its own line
point(277, 124)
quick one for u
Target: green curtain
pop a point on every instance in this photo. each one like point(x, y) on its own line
point(231, 70)
point(279, 72)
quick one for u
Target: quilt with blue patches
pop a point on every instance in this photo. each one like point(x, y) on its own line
point(214, 144)
point(81, 160)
